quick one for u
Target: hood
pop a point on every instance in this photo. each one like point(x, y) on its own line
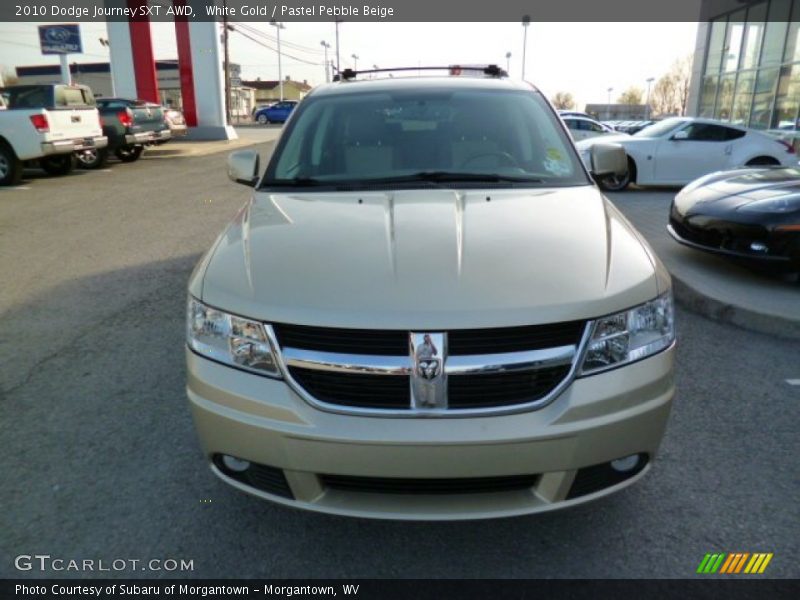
point(727, 190)
point(429, 259)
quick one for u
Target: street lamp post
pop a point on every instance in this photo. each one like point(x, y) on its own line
point(526, 20)
point(608, 106)
point(326, 45)
point(355, 61)
point(508, 62)
point(338, 64)
point(647, 102)
point(279, 26)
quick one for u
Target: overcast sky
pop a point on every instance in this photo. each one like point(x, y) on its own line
point(582, 58)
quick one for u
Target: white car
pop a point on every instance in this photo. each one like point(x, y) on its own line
point(583, 128)
point(679, 150)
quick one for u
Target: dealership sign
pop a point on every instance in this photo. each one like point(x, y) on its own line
point(60, 39)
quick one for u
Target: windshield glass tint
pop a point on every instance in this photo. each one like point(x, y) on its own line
point(381, 136)
point(660, 128)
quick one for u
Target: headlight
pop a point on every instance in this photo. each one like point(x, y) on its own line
point(630, 335)
point(229, 339)
point(781, 204)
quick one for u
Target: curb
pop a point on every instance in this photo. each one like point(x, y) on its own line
point(724, 312)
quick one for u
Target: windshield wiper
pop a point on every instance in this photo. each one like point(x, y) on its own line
point(455, 176)
point(294, 182)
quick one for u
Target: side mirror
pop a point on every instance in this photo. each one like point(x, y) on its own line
point(243, 167)
point(680, 135)
point(608, 159)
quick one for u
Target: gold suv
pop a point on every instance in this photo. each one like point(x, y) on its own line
point(428, 310)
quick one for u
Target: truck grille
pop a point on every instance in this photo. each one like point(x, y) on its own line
point(472, 369)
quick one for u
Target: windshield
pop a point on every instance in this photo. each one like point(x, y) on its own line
point(422, 135)
point(661, 128)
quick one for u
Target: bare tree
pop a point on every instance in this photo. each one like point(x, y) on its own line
point(671, 92)
point(563, 101)
point(633, 95)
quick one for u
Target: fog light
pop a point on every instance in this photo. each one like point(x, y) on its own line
point(623, 465)
point(758, 247)
point(237, 465)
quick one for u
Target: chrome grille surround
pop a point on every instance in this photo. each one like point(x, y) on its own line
point(453, 366)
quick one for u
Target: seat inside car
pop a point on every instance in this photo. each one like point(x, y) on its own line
point(367, 146)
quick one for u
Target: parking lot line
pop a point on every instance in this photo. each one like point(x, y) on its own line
point(793, 381)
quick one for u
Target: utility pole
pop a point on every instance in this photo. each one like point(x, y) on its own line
point(355, 62)
point(338, 64)
point(526, 20)
point(279, 26)
point(106, 44)
point(227, 63)
point(326, 45)
point(508, 62)
point(608, 106)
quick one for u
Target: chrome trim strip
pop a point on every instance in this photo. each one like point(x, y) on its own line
point(415, 413)
point(510, 361)
point(347, 363)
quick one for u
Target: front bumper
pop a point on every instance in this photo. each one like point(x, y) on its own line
point(147, 137)
point(74, 145)
point(737, 241)
point(595, 420)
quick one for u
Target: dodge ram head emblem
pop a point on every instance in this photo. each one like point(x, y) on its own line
point(428, 379)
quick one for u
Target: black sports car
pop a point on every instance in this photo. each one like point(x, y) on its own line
point(752, 215)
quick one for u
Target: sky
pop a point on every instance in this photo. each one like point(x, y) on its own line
point(584, 59)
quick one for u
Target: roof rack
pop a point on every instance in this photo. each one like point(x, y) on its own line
point(489, 70)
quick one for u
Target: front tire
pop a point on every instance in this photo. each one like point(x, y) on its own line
point(615, 183)
point(92, 159)
point(61, 164)
point(262, 119)
point(10, 166)
point(129, 154)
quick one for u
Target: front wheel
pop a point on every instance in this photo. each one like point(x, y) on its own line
point(92, 159)
point(10, 166)
point(61, 164)
point(263, 119)
point(615, 183)
point(129, 153)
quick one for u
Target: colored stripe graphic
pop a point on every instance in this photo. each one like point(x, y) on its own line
point(734, 563)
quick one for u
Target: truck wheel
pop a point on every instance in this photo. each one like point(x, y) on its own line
point(61, 164)
point(129, 153)
point(10, 166)
point(92, 159)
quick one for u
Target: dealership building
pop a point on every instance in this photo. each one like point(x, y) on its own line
point(746, 66)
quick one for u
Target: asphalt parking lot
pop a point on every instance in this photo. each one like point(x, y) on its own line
point(102, 460)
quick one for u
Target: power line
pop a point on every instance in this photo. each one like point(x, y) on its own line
point(260, 43)
point(298, 47)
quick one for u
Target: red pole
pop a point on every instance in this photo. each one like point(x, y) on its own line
point(144, 64)
point(185, 67)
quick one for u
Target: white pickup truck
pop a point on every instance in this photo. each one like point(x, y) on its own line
point(48, 123)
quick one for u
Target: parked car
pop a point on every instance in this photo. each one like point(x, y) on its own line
point(259, 107)
point(277, 113)
point(47, 123)
point(176, 122)
point(750, 215)
point(130, 125)
point(408, 321)
point(678, 150)
point(574, 113)
point(582, 128)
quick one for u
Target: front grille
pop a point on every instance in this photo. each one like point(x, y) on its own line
point(355, 389)
point(391, 485)
point(348, 341)
point(364, 381)
point(461, 342)
point(704, 237)
point(502, 389)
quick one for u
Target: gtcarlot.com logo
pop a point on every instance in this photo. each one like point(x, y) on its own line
point(734, 563)
point(45, 562)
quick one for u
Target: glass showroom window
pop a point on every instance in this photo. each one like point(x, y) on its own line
point(787, 98)
point(743, 97)
point(763, 98)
